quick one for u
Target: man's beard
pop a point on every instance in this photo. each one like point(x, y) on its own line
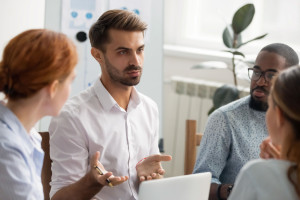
point(115, 75)
point(256, 104)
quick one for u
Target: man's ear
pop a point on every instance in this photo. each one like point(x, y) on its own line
point(52, 89)
point(96, 53)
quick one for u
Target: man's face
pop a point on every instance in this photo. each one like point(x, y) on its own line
point(259, 89)
point(124, 57)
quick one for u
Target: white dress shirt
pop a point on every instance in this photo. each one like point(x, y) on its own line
point(21, 159)
point(93, 121)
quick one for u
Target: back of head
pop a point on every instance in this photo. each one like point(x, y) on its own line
point(286, 95)
point(114, 19)
point(285, 51)
point(34, 59)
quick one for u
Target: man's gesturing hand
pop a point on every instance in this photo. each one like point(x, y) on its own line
point(150, 167)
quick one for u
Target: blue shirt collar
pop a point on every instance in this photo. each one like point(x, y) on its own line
point(8, 118)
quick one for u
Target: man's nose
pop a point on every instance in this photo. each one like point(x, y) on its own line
point(261, 81)
point(135, 60)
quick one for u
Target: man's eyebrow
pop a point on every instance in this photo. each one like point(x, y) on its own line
point(142, 46)
point(268, 70)
point(122, 48)
point(125, 48)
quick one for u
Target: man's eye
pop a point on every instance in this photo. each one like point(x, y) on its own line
point(122, 52)
point(256, 73)
point(270, 75)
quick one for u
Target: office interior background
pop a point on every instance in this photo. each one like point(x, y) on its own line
point(189, 32)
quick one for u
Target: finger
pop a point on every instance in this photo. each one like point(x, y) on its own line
point(106, 175)
point(165, 157)
point(142, 178)
point(154, 175)
point(118, 180)
point(275, 153)
point(102, 178)
point(158, 157)
point(161, 171)
point(149, 178)
point(95, 158)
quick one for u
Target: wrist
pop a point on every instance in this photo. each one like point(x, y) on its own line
point(223, 191)
point(92, 181)
point(219, 192)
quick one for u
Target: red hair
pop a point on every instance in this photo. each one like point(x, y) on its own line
point(33, 60)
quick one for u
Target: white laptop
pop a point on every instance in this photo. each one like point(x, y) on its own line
point(189, 187)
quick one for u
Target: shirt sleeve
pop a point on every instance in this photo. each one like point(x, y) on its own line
point(15, 176)
point(214, 147)
point(244, 187)
point(68, 151)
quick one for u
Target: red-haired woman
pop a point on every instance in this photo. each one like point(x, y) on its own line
point(36, 73)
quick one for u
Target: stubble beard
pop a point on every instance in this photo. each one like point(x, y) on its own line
point(256, 104)
point(116, 75)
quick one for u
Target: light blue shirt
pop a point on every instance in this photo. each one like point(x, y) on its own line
point(21, 160)
point(231, 138)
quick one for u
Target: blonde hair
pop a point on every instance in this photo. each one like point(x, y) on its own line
point(286, 95)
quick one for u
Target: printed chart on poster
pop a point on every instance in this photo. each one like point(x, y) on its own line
point(77, 17)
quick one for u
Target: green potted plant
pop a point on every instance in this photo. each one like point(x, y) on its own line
point(232, 39)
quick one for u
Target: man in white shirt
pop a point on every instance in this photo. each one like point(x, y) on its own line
point(111, 116)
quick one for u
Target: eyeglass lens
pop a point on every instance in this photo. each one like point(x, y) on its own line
point(255, 74)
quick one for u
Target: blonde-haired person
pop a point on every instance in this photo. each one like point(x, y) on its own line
point(36, 72)
point(277, 178)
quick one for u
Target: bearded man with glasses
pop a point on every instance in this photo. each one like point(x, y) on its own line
point(234, 132)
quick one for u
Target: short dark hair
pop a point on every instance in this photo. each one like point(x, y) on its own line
point(114, 19)
point(290, 55)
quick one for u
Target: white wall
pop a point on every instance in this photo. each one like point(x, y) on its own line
point(19, 15)
point(178, 62)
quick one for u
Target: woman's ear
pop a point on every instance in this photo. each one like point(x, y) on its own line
point(280, 118)
point(52, 89)
point(96, 53)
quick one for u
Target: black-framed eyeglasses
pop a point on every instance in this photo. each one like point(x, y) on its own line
point(255, 74)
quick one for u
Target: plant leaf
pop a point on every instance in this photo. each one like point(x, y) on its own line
point(257, 38)
point(236, 53)
point(242, 18)
point(227, 37)
point(224, 95)
point(238, 41)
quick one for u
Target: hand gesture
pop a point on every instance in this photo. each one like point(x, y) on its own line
point(101, 175)
point(269, 150)
point(150, 167)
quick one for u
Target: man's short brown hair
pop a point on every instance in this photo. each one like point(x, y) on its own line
point(114, 19)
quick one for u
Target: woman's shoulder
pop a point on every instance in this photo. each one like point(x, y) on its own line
point(266, 164)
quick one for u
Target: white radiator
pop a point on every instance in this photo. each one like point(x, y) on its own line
point(185, 98)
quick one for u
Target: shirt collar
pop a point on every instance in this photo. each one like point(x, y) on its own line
point(12, 122)
point(109, 102)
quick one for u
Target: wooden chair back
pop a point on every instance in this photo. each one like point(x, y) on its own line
point(192, 140)
point(46, 170)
